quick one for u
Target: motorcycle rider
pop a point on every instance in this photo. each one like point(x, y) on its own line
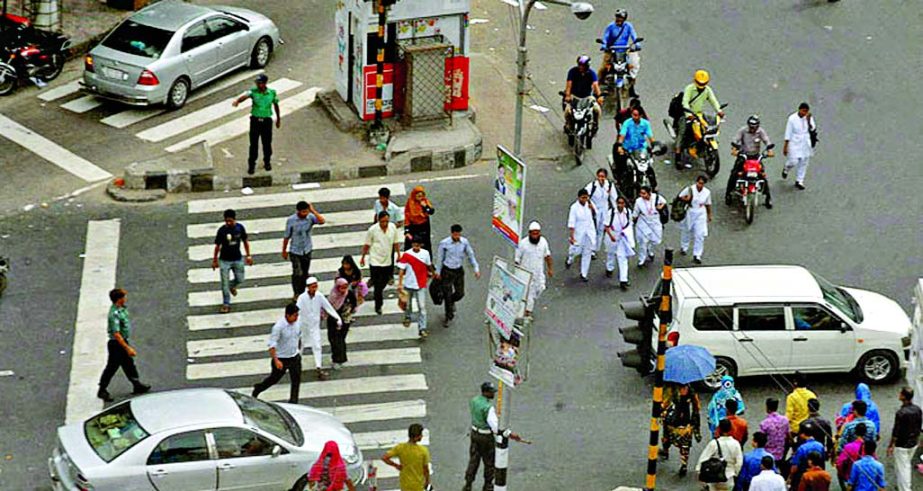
point(694, 97)
point(581, 82)
point(635, 135)
point(619, 34)
point(747, 144)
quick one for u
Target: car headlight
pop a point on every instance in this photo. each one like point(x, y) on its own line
point(352, 456)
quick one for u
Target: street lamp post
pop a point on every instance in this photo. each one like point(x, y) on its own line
point(581, 10)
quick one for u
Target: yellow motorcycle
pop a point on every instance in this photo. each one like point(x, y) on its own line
point(701, 141)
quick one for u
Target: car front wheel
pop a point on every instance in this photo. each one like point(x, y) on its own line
point(878, 367)
point(723, 366)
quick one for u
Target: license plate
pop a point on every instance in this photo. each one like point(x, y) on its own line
point(114, 74)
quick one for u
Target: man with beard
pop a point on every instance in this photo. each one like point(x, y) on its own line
point(534, 255)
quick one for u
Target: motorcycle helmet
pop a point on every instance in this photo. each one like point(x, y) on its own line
point(583, 60)
point(701, 78)
point(753, 121)
point(622, 13)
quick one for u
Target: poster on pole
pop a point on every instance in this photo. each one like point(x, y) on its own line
point(509, 195)
point(508, 358)
point(506, 296)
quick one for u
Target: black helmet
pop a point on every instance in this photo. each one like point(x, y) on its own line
point(753, 120)
point(583, 60)
point(621, 13)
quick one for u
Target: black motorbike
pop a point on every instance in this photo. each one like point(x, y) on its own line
point(583, 125)
point(614, 81)
point(30, 54)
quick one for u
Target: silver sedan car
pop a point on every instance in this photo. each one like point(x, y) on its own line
point(198, 440)
point(161, 53)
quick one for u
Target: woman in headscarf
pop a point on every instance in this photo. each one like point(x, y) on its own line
point(329, 471)
point(862, 394)
point(716, 409)
point(344, 301)
point(416, 218)
point(353, 275)
point(681, 421)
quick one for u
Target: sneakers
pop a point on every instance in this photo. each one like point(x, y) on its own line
point(784, 173)
point(141, 389)
point(377, 310)
point(584, 279)
point(104, 395)
point(623, 285)
point(800, 185)
point(697, 260)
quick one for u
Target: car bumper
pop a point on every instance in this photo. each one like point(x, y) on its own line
point(358, 473)
point(138, 95)
point(56, 483)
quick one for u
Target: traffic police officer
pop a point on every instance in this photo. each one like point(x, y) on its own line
point(484, 425)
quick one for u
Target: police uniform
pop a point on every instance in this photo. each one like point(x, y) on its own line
point(483, 427)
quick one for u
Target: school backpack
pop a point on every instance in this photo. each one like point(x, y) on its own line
point(676, 106)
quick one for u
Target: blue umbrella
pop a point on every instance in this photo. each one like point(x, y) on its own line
point(688, 363)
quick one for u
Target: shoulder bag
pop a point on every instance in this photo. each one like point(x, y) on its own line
point(714, 470)
point(678, 208)
point(664, 212)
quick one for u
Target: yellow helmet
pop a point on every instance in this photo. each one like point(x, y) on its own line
point(701, 78)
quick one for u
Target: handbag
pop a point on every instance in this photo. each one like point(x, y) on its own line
point(664, 212)
point(435, 290)
point(812, 131)
point(714, 470)
point(678, 209)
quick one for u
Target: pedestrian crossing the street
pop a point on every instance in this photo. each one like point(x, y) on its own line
point(379, 392)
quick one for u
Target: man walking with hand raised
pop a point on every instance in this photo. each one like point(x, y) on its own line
point(264, 101)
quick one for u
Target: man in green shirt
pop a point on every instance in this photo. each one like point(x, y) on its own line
point(121, 353)
point(414, 460)
point(264, 100)
point(695, 95)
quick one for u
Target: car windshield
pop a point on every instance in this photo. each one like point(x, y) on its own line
point(268, 417)
point(839, 298)
point(138, 39)
point(114, 431)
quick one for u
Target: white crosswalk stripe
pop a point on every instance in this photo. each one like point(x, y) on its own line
point(61, 91)
point(231, 349)
point(83, 104)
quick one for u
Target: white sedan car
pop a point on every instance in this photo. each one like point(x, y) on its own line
point(197, 440)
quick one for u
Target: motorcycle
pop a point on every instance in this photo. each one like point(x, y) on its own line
point(751, 181)
point(38, 57)
point(615, 82)
point(581, 132)
point(701, 140)
point(4, 269)
point(638, 172)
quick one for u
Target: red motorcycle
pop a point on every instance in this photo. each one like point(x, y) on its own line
point(751, 180)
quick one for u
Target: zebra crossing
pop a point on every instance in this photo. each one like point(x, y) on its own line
point(379, 392)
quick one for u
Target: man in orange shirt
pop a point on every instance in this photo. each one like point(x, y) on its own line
point(739, 429)
point(815, 478)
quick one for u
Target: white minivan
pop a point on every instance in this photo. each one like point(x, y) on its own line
point(761, 320)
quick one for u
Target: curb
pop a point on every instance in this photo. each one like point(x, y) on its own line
point(134, 195)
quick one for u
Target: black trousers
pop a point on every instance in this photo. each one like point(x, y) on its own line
point(380, 276)
point(481, 449)
point(118, 358)
point(301, 269)
point(453, 288)
point(260, 130)
point(293, 367)
point(732, 179)
point(337, 338)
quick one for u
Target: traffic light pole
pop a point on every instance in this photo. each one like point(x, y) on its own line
point(666, 316)
point(380, 60)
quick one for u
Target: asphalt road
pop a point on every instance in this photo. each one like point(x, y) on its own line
point(857, 224)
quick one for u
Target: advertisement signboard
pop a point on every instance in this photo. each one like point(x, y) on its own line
point(509, 193)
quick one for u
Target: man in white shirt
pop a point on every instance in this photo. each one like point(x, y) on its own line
point(581, 223)
point(285, 352)
point(798, 146)
point(310, 303)
point(767, 479)
point(603, 194)
point(534, 255)
point(730, 453)
point(415, 267)
point(382, 243)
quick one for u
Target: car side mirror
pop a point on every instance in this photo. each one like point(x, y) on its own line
point(844, 328)
point(276, 450)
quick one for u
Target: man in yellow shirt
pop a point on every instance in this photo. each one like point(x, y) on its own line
point(796, 404)
point(414, 460)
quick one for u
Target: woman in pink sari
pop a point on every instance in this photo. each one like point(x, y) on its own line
point(329, 472)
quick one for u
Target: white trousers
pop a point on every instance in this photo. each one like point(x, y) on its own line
point(801, 167)
point(694, 229)
point(535, 290)
point(313, 342)
point(903, 467)
point(611, 258)
point(585, 251)
point(646, 248)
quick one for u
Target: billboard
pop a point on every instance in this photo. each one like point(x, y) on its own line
point(509, 195)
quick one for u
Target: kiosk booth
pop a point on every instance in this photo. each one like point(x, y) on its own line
point(437, 29)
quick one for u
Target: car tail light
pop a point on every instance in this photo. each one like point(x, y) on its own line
point(673, 339)
point(148, 78)
point(88, 64)
point(82, 483)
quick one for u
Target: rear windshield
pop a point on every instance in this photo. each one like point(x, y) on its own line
point(114, 431)
point(138, 39)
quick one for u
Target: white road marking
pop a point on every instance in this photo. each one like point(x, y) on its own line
point(261, 270)
point(346, 386)
point(88, 356)
point(267, 317)
point(61, 91)
point(260, 366)
point(412, 409)
point(252, 294)
point(51, 151)
point(240, 126)
point(269, 225)
point(132, 116)
point(204, 348)
point(324, 195)
point(202, 252)
point(206, 115)
point(83, 104)
point(379, 440)
point(449, 178)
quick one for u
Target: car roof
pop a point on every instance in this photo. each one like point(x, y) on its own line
point(170, 15)
point(766, 282)
point(163, 411)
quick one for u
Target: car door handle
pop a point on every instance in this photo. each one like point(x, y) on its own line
point(225, 467)
point(800, 339)
point(159, 473)
point(745, 340)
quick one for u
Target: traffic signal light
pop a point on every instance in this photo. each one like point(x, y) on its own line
point(641, 334)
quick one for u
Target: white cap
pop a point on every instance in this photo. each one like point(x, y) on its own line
point(311, 281)
point(534, 226)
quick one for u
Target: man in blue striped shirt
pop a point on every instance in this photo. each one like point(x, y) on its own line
point(450, 257)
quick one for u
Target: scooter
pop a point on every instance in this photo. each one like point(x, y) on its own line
point(4, 269)
point(750, 183)
point(701, 140)
point(580, 136)
point(615, 81)
point(39, 60)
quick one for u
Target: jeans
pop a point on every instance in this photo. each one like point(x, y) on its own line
point(118, 358)
point(260, 130)
point(418, 296)
point(226, 283)
point(380, 276)
point(301, 269)
point(453, 288)
point(293, 367)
